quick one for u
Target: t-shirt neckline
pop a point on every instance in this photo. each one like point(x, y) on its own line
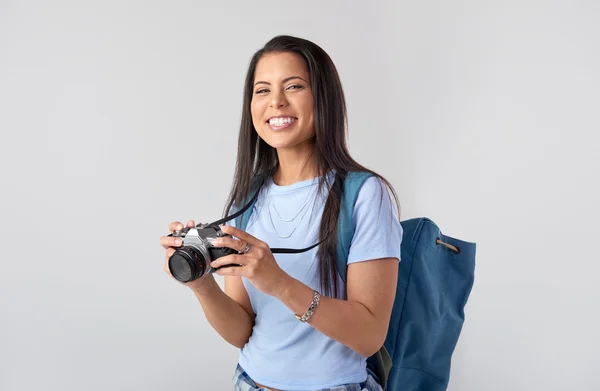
point(275, 188)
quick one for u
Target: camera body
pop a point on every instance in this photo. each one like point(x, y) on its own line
point(192, 259)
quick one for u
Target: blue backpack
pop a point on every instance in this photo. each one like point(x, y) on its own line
point(435, 278)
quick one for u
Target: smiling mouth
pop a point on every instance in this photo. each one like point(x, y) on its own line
point(277, 123)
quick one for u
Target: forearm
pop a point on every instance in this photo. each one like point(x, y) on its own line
point(224, 314)
point(350, 323)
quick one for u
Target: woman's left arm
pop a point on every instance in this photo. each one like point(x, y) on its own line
point(360, 322)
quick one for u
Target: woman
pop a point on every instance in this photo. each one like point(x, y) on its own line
point(293, 134)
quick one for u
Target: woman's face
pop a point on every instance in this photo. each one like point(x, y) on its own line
point(282, 101)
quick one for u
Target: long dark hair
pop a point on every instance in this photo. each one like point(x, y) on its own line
point(257, 159)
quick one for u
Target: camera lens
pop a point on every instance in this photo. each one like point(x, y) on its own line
point(187, 264)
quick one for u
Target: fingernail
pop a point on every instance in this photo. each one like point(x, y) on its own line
point(179, 227)
point(178, 241)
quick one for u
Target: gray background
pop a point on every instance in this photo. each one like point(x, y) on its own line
point(118, 117)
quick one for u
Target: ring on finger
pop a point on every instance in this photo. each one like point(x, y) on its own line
point(246, 248)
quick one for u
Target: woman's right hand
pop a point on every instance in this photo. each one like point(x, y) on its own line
point(170, 243)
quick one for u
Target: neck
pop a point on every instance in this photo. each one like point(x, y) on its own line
point(295, 165)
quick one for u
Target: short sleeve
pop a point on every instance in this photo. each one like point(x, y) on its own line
point(377, 229)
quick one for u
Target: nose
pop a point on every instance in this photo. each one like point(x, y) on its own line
point(278, 99)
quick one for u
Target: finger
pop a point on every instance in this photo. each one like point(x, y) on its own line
point(169, 241)
point(191, 224)
point(229, 243)
point(175, 226)
point(231, 271)
point(238, 233)
point(233, 259)
point(169, 253)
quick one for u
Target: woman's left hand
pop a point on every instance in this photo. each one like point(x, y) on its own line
point(258, 264)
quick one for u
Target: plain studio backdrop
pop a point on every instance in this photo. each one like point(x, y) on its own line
point(118, 117)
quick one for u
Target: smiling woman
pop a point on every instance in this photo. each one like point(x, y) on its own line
point(298, 325)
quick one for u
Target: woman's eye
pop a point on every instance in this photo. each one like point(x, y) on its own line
point(292, 87)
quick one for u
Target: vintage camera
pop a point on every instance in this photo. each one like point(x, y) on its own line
point(192, 259)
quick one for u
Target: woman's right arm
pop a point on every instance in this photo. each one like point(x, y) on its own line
point(229, 312)
point(227, 316)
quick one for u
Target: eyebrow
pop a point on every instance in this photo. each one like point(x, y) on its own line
point(284, 80)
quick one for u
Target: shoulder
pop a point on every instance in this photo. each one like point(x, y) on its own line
point(377, 228)
point(372, 186)
point(363, 188)
point(374, 200)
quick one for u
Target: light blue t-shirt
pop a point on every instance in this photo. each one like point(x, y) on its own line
point(283, 352)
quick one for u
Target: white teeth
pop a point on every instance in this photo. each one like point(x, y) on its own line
point(280, 121)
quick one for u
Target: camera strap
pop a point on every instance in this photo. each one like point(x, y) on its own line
point(273, 250)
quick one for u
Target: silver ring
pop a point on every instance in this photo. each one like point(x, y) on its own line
point(246, 248)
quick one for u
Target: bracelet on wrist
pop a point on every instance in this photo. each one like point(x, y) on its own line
point(311, 309)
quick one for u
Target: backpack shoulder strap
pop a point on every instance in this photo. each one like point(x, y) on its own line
point(352, 185)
